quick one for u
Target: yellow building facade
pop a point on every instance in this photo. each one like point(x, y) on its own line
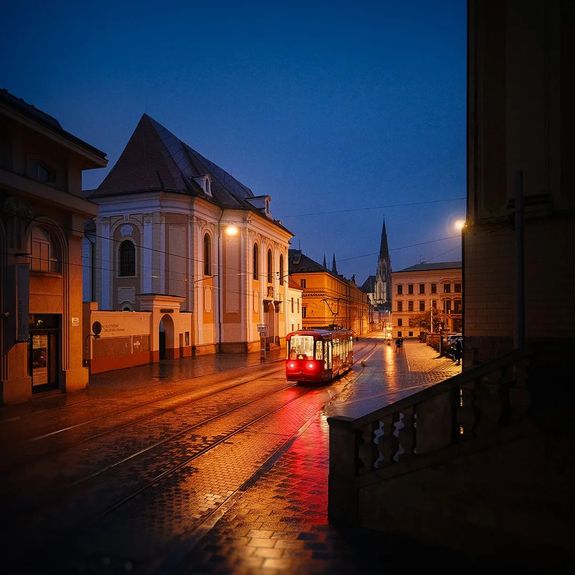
point(42, 213)
point(427, 298)
point(328, 298)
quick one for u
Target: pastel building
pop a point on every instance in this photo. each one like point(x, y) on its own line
point(172, 223)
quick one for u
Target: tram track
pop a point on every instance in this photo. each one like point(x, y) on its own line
point(55, 502)
point(161, 450)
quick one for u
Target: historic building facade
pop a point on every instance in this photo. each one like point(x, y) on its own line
point(171, 222)
point(328, 298)
point(42, 213)
point(427, 298)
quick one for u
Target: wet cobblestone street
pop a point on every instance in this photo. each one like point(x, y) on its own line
point(191, 468)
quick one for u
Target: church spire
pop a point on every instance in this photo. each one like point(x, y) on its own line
point(382, 296)
point(333, 265)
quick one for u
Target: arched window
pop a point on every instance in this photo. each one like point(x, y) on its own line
point(207, 255)
point(127, 259)
point(270, 267)
point(256, 262)
point(281, 269)
point(45, 256)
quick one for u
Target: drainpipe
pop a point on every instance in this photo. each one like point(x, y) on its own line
point(519, 339)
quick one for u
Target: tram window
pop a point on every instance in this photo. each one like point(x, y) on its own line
point(319, 349)
point(301, 345)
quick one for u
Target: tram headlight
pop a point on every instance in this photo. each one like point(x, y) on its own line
point(310, 365)
point(292, 365)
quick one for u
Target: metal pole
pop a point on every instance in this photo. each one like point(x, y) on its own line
point(519, 339)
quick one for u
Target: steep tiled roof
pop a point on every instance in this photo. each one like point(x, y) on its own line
point(156, 160)
point(432, 266)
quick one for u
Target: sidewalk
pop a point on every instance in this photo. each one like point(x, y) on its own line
point(278, 524)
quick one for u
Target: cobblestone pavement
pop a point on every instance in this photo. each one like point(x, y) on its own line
point(278, 523)
point(214, 515)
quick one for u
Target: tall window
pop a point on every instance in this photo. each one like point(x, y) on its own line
point(256, 262)
point(410, 305)
point(127, 257)
point(421, 288)
point(399, 306)
point(410, 289)
point(303, 283)
point(45, 255)
point(304, 311)
point(281, 269)
point(433, 288)
point(270, 267)
point(421, 305)
point(207, 255)
point(446, 288)
point(400, 289)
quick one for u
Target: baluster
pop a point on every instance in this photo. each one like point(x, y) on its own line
point(388, 441)
point(406, 434)
point(366, 448)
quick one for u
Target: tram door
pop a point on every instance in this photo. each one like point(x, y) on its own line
point(328, 354)
point(44, 351)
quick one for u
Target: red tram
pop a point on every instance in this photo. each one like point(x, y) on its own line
point(318, 355)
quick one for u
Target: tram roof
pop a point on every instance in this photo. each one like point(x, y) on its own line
point(321, 333)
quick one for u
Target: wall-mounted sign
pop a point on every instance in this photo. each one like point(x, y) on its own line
point(75, 322)
point(166, 310)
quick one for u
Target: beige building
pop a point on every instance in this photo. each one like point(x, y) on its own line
point(328, 298)
point(172, 223)
point(427, 298)
point(42, 213)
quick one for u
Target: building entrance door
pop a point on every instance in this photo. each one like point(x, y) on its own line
point(44, 351)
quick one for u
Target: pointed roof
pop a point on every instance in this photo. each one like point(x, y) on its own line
point(383, 248)
point(333, 265)
point(156, 160)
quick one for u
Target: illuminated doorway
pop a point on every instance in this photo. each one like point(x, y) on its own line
point(44, 351)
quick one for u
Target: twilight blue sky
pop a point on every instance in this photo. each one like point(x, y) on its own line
point(345, 112)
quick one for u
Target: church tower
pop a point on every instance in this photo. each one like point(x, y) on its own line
point(382, 295)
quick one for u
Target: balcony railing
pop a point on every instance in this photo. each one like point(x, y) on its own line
point(421, 428)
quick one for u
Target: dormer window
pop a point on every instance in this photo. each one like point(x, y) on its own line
point(205, 182)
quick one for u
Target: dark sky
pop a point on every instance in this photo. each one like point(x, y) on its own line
point(346, 113)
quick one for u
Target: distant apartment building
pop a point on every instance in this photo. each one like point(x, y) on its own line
point(328, 298)
point(42, 213)
point(427, 298)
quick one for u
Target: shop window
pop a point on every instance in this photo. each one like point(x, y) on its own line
point(127, 257)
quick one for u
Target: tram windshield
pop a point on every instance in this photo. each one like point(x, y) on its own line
point(301, 345)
